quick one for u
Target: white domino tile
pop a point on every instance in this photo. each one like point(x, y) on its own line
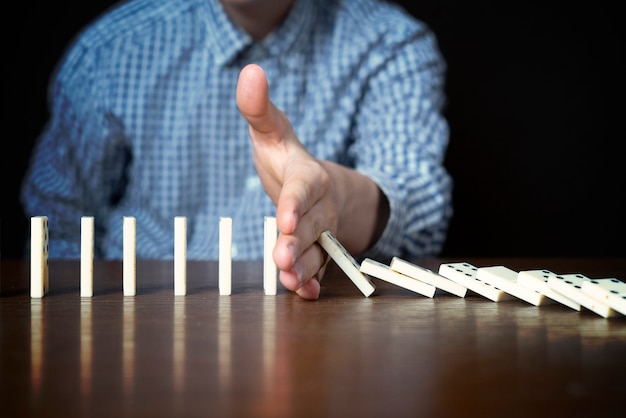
point(465, 274)
point(225, 256)
point(270, 272)
point(86, 255)
point(130, 256)
point(570, 285)
point(538, 281)
point(606, 297)
point(611, 291)
point(427, 276)
point(180, 256)
point(39, 281)
point(506, 279)
point(346, 262)
point(384, 272)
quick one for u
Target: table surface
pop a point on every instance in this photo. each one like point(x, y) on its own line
point(248, 354)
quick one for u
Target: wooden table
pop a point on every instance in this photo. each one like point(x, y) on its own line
point(394, 354)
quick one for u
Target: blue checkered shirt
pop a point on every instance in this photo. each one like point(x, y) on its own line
point(144, 123)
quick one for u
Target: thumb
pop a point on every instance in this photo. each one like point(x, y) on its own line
point(255, 106)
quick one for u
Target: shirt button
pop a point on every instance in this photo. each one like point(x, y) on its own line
point(253, 183)
point(233, 250)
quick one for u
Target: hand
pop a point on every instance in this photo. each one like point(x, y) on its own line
point(299, 185)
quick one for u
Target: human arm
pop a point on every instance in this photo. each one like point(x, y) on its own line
point(310, 195)
point(77, 165)
point(401, 136)
point(397, 143)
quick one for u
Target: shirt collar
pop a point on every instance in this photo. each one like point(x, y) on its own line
point(227, 41)
point(224, 39)
point(295, 30)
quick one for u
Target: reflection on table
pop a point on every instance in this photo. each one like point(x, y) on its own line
point(392, 354)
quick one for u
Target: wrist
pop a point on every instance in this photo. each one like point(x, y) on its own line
point(362, 209)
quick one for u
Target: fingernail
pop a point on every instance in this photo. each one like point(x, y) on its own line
point(293, 251)
point(298, 270)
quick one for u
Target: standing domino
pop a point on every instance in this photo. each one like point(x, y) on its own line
point(130, 256)
point(180, 256)
point(39, 241)
point(346, 262)
point(270, 272)
point(86, 256)
point(412, 270)
point(538, 281)
point(506, 279)
point(383, 272)
point(465, 275)
point(610, 291)
point(225, 256)
point(570, 285)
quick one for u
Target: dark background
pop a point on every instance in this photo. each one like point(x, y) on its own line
point(536, 104)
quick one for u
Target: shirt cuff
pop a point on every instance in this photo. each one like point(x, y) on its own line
point(390, 242)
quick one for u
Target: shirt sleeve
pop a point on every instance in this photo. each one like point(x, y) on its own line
point(402, 136)
point(78, 163)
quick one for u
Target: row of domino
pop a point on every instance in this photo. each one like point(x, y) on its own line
point(606, 297)
point(39, 280)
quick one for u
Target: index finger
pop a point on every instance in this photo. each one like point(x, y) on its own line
point(304, 185)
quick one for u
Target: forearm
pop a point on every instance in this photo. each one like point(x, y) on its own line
point(363, 208)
